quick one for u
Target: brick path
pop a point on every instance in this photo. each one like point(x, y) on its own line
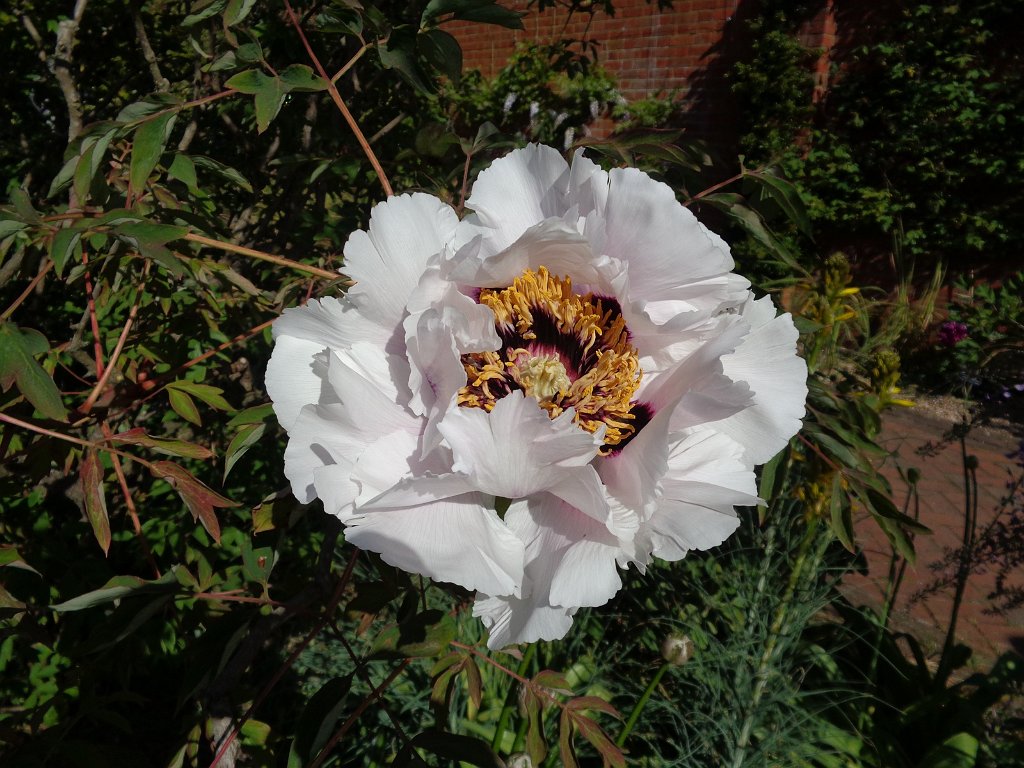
point(907, 432)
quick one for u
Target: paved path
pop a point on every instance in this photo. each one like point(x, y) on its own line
point(926, 598)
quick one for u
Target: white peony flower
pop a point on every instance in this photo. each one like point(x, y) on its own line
point(568, 381)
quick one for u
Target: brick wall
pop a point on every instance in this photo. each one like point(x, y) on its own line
point(649, 52)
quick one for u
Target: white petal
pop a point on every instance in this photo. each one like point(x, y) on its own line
point(516, 192)
point(387, 261)
point(516, 449)
point(551, 243)
point(471, 324)
point(570, 563)
point(705, 480)
point(290, 380)
point(458, 540)
point(436, 374)
point(768, 363)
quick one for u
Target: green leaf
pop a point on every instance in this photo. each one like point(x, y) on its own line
point(784, 194)
point(257, 414)
point(63, 246)
point(202, 11)
point(244, 439)
point(150, 138)
point(9, 556)
point(225, 172)
point(18, 366)
point(750, 220)
point(958, 751)
point(399, 54)
point(199, 498)
point(209, 395)
point(299, 77)
point(184, 406)
point(151, 238)
point(117, 588)
point(269, 93)
point(23, 206)
point(425, 634)
point(10, 226)
point(257, 563)
point(184, 170)
point(90, 474)
point(841, 513)
point(236, 11)
point(481, 11)
point(443, 52)
point(318, 721)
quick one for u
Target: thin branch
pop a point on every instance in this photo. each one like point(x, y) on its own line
point(339, 102)
point(261, 256)
point(60, 65)
point(351, 63)
point(47, 263)
point(130, 504)
point(111, 363)
point(161, 83)
point(713, 188)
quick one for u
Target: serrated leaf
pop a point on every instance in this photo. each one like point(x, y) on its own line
point(165, 445)
point(199, 498)
point(18, 366)
point(90, 473)
point(244, 439)
point(148, 145)
point(62, 247)
point(184, 406)
point(318, 721)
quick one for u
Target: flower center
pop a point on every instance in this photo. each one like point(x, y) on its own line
point(564, 349)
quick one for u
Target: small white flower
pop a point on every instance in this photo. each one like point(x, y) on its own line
point(577, 348)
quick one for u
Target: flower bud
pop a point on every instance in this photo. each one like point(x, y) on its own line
point(677, 649)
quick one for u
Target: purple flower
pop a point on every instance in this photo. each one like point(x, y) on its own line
point(952, 333)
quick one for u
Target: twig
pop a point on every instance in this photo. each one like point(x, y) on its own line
point(161, 83)
point(111, 363)
point(713, 188)
point(47, 263)
point(130, 504)
point(261, 256)
point(363, 705)
point(60, 65)
point(351, 63)
point(339, 102)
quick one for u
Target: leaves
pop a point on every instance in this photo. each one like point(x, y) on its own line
point(165, 445)
point(90, 474)
point(18, 366)
point(181, 392)
point(200, 499)
point(150, 138)
point(270, 90)
point(482, 11)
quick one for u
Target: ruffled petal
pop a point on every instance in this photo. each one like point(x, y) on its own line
point(516, 450)
point(705, 480)
point(387, 261)
point(457, 540)
point(768, 363)
point(516, 192)
point(570, 563)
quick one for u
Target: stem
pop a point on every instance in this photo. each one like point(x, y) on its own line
point(47, 263)
point(363, 705)
point(510, 698)
point(130, 504)
point(46, 432)
point(713, 188)
point(339, 102)
point(261, 256)
point(635, 714)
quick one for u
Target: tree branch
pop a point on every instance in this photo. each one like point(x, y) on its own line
point(60, 65)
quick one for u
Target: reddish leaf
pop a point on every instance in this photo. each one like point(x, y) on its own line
point(565, 748)
point(535, 745)
point(91, 475)
point(610, 754)
point(200, 499)
point(556, 681)
point(474, 683)
point(593, 702)
point(166, 445)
